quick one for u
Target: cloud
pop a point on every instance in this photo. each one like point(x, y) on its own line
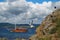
point(57, 4)
point(11, 0)
point(21, 11)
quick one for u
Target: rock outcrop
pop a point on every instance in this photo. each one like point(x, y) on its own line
point(49, 29)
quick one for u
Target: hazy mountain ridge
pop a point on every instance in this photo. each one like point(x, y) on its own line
point(13, 25)
point(49, 28)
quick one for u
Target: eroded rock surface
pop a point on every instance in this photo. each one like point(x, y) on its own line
point(49, 29)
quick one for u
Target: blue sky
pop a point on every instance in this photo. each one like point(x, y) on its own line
point(34, 1)
point(40, 1)
point(2, 0)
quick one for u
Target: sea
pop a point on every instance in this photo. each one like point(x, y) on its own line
point(4, 33)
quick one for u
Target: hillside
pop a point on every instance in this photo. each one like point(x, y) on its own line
point(49, 28)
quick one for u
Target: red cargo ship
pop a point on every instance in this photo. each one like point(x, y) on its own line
point(19, 30)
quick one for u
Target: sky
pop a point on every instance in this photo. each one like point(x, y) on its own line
point(40, 1)
point(34, 1)
point(2, 0)
point(24, 11)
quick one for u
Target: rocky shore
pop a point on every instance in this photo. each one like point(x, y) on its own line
point(12, 39)
point(49, 29)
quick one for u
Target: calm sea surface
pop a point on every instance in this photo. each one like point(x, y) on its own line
point(12, 35)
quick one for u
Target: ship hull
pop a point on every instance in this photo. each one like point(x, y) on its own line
point(19, 30)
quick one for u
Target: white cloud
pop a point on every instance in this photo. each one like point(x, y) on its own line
point(57, 4)
point(21, 11)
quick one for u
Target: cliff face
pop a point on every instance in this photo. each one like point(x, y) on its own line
point(49, 28)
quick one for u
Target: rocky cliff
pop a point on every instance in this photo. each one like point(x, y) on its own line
point(49, 28)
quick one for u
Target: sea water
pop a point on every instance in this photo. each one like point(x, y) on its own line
point(12, 35)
